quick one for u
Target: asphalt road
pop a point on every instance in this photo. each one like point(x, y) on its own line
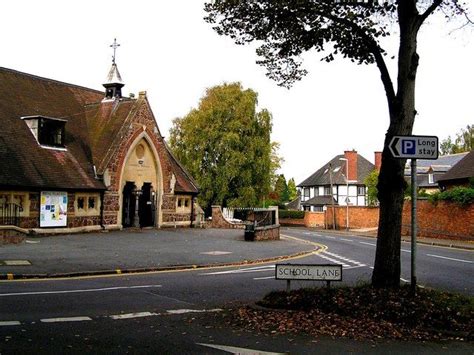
point(177, 312)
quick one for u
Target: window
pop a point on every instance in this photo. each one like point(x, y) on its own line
point(87, 204)
point(327, 191)
point(306, 193)
point(430, 179)
point(316, 191)
point(22, 199)
point(183, 204)
point(361, 190)
point(51, 132)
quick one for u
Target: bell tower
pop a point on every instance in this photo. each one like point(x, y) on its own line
point(113, 84)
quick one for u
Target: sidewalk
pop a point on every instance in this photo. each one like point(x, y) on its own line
point(138, 250)
point(372, 233)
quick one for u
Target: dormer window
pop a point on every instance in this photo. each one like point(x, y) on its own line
point(48, 131)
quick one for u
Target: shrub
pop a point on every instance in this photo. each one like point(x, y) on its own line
point(461, 195)
point(291, 214)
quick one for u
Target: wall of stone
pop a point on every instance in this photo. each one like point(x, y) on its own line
point(264, 233)
point(218, 220)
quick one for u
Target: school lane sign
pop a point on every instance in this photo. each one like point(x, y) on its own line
point(414, 147)
point(327, 272)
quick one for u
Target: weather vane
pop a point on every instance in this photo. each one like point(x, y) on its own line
point(114, 46)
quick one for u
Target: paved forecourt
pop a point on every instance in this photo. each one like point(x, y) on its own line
point(139, 250)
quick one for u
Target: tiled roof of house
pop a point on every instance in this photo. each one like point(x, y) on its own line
point(295, 204)
point(464, 169)
point(23, 162)
point(322, 176)
point(424, 165)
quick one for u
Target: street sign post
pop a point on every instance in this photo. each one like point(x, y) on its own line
point(414, 147)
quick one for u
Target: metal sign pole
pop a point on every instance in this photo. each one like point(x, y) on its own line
point(414, 193)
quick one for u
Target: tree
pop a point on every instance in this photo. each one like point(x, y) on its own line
point(281, 190)
point(371, 182)
point(464, 142)
point(292, 191)
point(225, 144)
point(352, 28)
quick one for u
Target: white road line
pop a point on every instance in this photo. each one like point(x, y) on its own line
point(374, 245)
point(329, 237)
point(241, 351)
point(9, 322)
point(453, 259)
point(184, 311)
point(347, 240)
point(406, 251)
point(133, 315)
point(333, 260)
point(77, 291)
point(404, 280)
point(66, 319)
point(265, 278)
point(343, 258)
point(242, 271)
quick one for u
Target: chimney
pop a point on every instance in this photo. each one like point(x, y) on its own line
point(351, 156)
point(378, 160)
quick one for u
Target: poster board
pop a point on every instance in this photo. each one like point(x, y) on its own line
point(53, 209)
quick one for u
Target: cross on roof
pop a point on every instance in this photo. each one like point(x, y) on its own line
point(114, 46)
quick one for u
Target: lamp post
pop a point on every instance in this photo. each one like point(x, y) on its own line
point(347, 191)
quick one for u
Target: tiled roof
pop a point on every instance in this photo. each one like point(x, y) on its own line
point(464, 169)
point(320, 201)
point(423, 165)
point(321, 176)
point(295, 204)
point(92, 130)
point(23, 162)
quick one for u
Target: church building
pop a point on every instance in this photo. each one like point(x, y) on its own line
point(74, 159)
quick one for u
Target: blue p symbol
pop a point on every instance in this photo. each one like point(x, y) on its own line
point(408, 146)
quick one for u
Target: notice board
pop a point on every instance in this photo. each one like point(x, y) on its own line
point(53, 209)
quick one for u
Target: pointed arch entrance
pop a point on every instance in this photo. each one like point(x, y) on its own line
point(141, 186)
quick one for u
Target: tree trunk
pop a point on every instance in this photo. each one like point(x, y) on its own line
point(391, 185)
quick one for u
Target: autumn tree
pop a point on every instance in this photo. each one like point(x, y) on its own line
point(225, 145)
point(281, 190)
point(285, 29)
point(464, 142)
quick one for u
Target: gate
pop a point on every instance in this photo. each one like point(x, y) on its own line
point(10, 214)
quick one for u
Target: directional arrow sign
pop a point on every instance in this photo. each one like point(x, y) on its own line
point(414, 147)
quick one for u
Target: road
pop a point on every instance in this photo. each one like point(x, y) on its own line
point(178, 312)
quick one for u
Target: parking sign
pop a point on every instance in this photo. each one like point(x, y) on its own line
point(414, 147)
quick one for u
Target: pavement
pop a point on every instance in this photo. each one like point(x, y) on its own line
point(139, 250)
point(143, 250)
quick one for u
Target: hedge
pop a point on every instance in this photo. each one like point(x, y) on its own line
point(291, 214)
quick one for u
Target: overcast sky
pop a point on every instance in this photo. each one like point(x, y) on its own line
point(169, 51)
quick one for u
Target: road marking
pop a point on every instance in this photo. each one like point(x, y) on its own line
point(77, 291)
point(264, 278)
point(329, 237)
point(16, 262)
point(347, 240)
point(66, 319)
point(345, 259)
point(404, 280)
point(133, 315)
point(406, 251)
point(374, 245)
point(453, 259)
point(184, 311)
point(9, 322)
point(333, 260)
point(242, 271)
point(241, 351)
point(216, 252)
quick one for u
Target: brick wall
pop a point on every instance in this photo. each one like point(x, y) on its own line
point(443, 220)
point(314, 219)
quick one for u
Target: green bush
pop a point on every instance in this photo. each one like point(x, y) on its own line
point(461, 195)
point(291, 214)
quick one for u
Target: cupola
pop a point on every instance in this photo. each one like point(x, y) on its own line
point(113, 84)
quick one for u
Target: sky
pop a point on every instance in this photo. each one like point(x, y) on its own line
point(168, 50)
